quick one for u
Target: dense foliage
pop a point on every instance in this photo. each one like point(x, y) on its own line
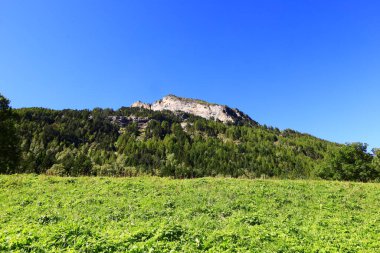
point(150, 214)
point(134, 141)
point(9, 140)
point(71, 142)
point(350, 162)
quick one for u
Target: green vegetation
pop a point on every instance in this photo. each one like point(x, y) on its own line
point(134, 141)
point(152, 214)
point(89, 143)
point(350, 162)
point(9, 140)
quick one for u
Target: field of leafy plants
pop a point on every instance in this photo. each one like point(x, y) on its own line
point(149, 214)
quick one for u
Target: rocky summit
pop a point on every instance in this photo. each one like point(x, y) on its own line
point(197, 107)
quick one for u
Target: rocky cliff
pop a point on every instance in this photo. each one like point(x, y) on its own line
point(199, 108)
point(141, 105)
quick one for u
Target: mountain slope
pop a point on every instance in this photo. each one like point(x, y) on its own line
point(139, 140)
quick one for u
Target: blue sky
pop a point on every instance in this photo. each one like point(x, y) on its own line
point(313, 66)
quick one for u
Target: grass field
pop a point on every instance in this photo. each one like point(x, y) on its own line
point(148, 214)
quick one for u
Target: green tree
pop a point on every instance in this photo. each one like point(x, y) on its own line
point(9, 141)
point(376, 160)
point(153, 130)
point(350, 162)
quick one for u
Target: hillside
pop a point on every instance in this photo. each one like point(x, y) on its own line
point(178, 137)
point(150, 214)
point(160, 142)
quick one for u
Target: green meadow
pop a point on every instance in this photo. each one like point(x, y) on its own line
point(152, 214)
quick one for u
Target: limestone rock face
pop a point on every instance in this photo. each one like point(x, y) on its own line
point(141, 105)
point(197, 107)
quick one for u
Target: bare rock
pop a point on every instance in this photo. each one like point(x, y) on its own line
point(199, 108)
point(140, 104)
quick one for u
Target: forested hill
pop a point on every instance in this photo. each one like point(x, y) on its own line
point(134, 141)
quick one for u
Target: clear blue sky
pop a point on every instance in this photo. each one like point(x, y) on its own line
point(313, 66)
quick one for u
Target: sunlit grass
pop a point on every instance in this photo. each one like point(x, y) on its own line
point(149, 214)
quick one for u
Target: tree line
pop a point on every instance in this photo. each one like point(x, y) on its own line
point(89, 142)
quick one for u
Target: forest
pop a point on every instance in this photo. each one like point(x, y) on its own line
point(137, 141)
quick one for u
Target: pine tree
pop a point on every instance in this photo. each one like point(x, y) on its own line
point(9, 141)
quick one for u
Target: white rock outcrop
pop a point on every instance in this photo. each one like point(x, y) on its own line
point(196, 107)
point(141, 105)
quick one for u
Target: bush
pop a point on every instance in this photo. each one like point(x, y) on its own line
point(56, 170)
point(115, 170)
point(350, 162)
